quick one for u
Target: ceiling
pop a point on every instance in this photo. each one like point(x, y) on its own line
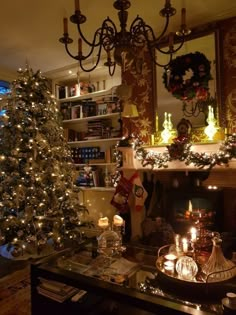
point(31, 29)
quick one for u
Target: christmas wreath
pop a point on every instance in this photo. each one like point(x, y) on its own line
point(195, 86)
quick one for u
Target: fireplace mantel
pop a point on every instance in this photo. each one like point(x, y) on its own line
point(131, 162)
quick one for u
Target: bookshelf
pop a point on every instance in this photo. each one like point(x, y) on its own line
point(91, 118)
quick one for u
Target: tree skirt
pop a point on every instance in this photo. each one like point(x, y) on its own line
point(15, 293)
point(29, 252)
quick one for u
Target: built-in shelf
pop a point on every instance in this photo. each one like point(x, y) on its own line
point(85, 119)
point(76, 143)
point(88, 96)
point(97, 188)
point(95, 164)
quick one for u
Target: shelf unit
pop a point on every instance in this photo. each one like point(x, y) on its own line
point(91, 122)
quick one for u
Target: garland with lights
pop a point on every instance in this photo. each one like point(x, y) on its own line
point(194, 87)
point(180, 150)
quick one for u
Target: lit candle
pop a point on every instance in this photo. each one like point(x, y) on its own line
point(185, 245)
point(117, 220)
point(103, 222)
point(193, 232)
point(80, 45)
point(170, 257)
point(77, 5)
point(169, 267)
point(190, 207)
point(183, 16)
point(65, 25)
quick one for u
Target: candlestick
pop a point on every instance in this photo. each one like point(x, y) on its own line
point(65, 25)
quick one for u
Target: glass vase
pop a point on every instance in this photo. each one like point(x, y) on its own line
point(218, 268)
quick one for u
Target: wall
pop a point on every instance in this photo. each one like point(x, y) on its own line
point(228, 30)
point(7, 76)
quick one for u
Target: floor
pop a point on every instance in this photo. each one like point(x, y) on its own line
point(14, 287)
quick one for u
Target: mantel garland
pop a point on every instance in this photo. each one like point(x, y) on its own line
point(180, 150)
point(194, 87)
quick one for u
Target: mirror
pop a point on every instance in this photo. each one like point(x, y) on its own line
point(166, 102)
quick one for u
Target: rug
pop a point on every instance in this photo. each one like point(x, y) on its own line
point(15, 293)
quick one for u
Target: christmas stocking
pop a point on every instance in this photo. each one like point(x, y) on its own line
point(121, 195)
point(140, 194)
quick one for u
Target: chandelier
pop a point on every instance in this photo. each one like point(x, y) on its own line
point(124, 46)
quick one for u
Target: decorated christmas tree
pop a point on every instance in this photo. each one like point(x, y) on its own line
point(39, 203)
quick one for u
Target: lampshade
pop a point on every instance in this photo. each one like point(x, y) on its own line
point(130, 110)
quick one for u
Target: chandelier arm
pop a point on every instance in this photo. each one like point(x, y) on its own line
point(113, 67)
point(163, 31)
point(85, 57)
point(150, 47)
point(170, 51)
point(69, 53)
point(99, 31)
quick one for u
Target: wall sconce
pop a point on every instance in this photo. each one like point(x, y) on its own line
point(210, 129)
point(130, 110)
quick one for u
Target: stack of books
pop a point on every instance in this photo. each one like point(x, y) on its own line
point(98, 129)
point(55, 290)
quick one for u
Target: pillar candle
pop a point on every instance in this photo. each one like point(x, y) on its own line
point(65, 25)
point(77, 5)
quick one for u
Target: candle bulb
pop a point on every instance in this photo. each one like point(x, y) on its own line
point(185, 245)
point(183, 16)
point(77, 5)
point(65, 25)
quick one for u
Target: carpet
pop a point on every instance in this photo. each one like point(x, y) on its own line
point(15, 293)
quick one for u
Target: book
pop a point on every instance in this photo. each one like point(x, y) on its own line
point(55, 290)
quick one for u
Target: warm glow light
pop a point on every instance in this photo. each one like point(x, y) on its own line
point(185, 245)
point(103, 222)
point(193, 232)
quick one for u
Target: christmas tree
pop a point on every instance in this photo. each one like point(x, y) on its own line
point(38, 201)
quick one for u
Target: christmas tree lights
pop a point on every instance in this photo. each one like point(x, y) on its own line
point(38, 201)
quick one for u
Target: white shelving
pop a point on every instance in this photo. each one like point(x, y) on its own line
point(80, 126)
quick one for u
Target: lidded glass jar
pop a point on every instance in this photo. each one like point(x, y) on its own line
point(218, 268)
point(109, 243)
